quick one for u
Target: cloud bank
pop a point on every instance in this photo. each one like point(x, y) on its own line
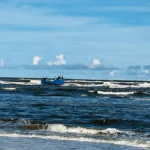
point(133, 72)
point(61, 63)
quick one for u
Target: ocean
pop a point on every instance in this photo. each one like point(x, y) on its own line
point(81, 114)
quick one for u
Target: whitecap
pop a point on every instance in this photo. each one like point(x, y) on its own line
point(80, 130)
point(9, 89)
point(115, 93)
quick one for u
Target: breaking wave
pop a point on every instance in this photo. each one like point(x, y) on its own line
point(31, 82)
point(84, 83)
point(76, 130)
point(111, 93)
point(137, 93)
point(115, 93)
point(119, 85)
point(145, 84)
point(36, 82)
point(80, 130)
point(133, 143)
point(9, 89)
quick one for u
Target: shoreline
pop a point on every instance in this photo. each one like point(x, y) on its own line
point(26, 143)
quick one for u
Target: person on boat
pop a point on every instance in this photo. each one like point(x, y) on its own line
point(60, 77)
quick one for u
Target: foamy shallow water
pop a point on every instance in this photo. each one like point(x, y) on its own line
point(17, 143)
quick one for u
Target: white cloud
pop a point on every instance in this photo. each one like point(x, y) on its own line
point(40, 17)
point(2, 63)
point(144, 72)
point(37, 60)
point(95, 63)
point(112, 73)
point(60, 60)
point(39, 27)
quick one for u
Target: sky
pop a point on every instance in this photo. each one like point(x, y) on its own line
point(85, 34)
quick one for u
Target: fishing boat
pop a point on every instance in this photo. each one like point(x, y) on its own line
point(56, 81)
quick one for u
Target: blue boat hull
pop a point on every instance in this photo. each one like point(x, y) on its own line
point(53, 82)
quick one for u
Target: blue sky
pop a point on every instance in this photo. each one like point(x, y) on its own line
point(115, 32)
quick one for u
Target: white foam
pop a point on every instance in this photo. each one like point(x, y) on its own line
point(142, 99)
point(19, 83)
point(92, 91)
point(82, 85)
point(9, 89)
point(115, 93)
point(32, 82)
point(35, 82)
point(87, 81)
point(107, 84)
point(4, 82)
point(114, 85)
point(133, 143)
point(83, 95)
point(79, 130)
point(111, 131)
point(145, 84)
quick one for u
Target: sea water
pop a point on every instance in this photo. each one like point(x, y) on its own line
point(81, 114)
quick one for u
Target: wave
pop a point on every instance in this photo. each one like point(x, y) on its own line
point(9, 89)
point(15, 120)
point(63, 132)
point(100, 84)
point(126, 85)
point(145, 84)
point(83, 81)
point(114, 85)
point(108, 84)
point(77, 130)
point(82, 85)
point(61, 128)
point(111, 93)
point(19, 83)
point(35, 82)
point(31, 82)
point(136, 93)
point(115, 93)
point(105, 84)
point(133, 143)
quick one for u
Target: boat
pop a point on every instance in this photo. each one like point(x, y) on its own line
point(56, 81)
